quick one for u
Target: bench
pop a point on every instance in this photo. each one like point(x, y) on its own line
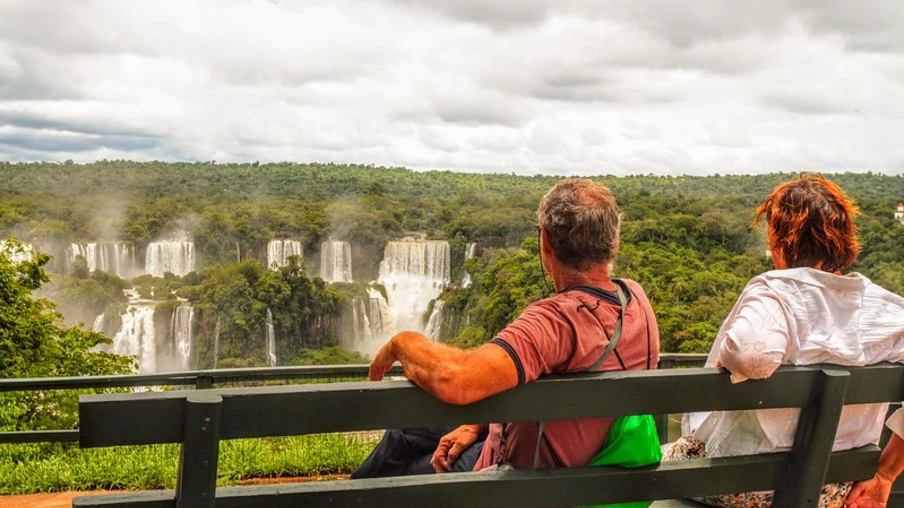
point(200, 419)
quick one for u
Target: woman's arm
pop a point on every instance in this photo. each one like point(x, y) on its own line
point(757, 337)
point(873, 493)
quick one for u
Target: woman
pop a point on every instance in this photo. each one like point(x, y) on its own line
point(804, 312)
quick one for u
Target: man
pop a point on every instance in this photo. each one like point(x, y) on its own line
point(579, 233)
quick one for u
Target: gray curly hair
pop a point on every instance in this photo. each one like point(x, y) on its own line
point(582, 221)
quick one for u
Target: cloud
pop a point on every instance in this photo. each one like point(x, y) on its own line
point(58, 141)
point(554, 86)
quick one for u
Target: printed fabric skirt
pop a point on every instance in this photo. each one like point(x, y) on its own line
point(833, 494)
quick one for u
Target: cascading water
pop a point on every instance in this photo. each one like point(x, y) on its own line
point(183, 318)
point(278, 252)
point(114, 257)
point(216, 343)
point(378, 313)
point(470, 252)
point(98, 324)
point(271, 341)
point(370, 323)
point(25, 254)
point(414, 272)
point(174, 256)
point(363, 331)
point(436, 320)
point(136, 337)
point(336, 261)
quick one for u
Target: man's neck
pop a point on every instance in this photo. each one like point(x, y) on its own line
point(597, 276)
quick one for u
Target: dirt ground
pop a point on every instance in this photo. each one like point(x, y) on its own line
point(64, 499)
point(58, 500)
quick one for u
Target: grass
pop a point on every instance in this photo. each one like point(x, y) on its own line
point(28, 469)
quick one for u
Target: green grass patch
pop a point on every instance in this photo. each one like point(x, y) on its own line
point(28, 469)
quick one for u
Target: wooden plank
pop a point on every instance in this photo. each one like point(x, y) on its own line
point(116, 419)
point(39, 436)
point(813, 443)
point(187, 377)
point(129, 422)
point(151, 499)
point(197, 481)
point(554, 487)
point(547, 488)
point(667, 360)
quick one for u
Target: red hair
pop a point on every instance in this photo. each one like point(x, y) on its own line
point(811, 223)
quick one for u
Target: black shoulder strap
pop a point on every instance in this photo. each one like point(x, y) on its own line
point(613, 341)
point(616, 333)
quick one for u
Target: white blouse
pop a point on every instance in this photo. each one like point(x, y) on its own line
point(800, 316)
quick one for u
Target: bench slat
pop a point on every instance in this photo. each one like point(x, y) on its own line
point(120, 419)
point(553, 487)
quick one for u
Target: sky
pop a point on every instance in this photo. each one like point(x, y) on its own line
point(564, 87)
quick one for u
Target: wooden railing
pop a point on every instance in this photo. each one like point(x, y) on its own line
point(205, 379)
point(199, 420)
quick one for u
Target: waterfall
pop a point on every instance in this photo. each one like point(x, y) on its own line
point(470, 252)
point(174, 256)
point(98, 324)
point(216, 343)
point(271, 341)
point(378, 314)
point(183, 317)
point(17, 256)
point(278, 252)
point(136, 337)
point(434, 324)
point(112, 257)
point(336, 261)
point(371, 324)
point(413, 273)
point(361, 322)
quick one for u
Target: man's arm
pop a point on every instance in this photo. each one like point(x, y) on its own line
point(452, 375)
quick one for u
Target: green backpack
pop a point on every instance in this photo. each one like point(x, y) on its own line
point(632, 442)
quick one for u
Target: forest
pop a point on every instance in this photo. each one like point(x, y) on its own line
point(689, 241)
point(171, 267)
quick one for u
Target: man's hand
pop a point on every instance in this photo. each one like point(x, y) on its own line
point(872, 493)
point(451, 446)
point(383, 361)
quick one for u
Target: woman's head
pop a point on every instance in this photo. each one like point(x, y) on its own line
point(810, 223)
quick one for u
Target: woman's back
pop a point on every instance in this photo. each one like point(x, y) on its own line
point(800, 316)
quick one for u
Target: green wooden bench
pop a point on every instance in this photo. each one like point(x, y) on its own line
point(200, 419)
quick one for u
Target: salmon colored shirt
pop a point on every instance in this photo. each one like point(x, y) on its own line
point(567, 334)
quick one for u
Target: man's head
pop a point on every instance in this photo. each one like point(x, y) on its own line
point(581, 221)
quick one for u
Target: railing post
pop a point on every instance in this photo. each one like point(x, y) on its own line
point(204, 382)
point(197, 481)
point(662, 427)
point(813, 443)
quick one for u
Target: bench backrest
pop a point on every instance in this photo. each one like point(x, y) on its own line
point(199, 419)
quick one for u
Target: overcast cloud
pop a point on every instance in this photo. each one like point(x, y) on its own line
point(524, 86)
